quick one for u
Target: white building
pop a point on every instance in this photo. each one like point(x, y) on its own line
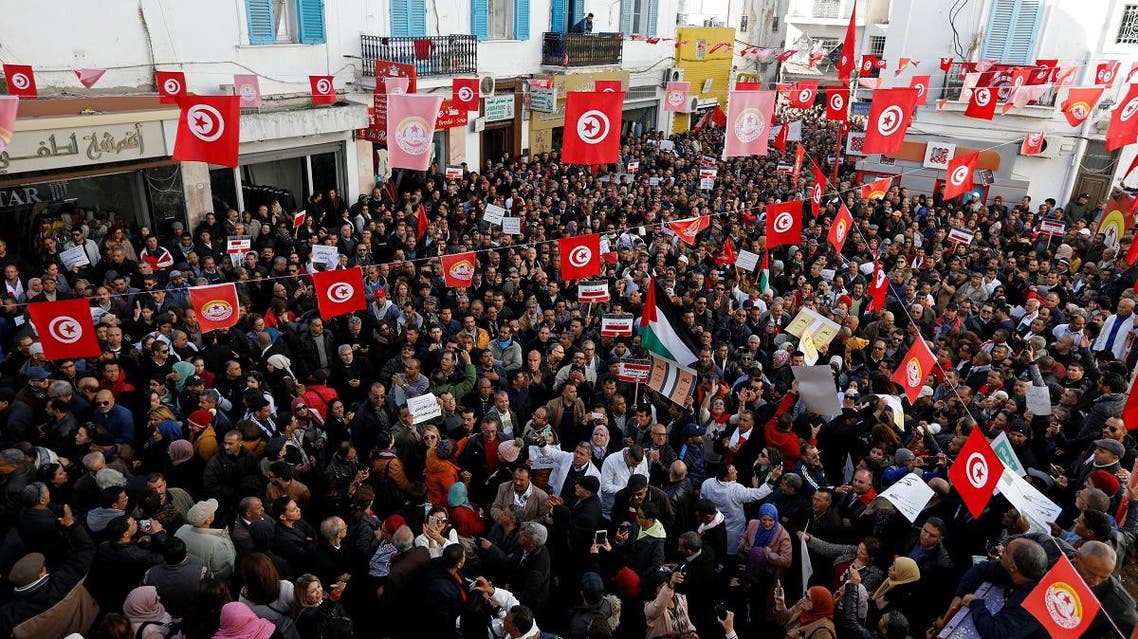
point(819, 27)
point(1012, 32)
point(289, 148)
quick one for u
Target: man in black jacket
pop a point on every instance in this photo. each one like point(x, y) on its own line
point(293, 538)
point(531, 576)
point(35, 589)
point(1095, 561)
point(122, 560)
point(701, 584)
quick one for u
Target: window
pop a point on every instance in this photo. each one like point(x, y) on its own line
point(743, 24)
point(563, 14)
point(774, 24)
point(827, 8)
point(824, 45)
point(877, 45)
point(500, 19)
point(285, 21)
point(408, 18)
point(1128, 28)
point(638, 16)
point(1012, 28)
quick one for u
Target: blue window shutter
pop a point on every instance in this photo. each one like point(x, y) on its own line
point(521, 19)
point(310, 19)
point(400, 18)
point(417, 22)
point(260, 16)
point(1013, 26)
point(626, 25)
point(480, 18)
point(578, 11)
point(653, 8)
point(557, 17)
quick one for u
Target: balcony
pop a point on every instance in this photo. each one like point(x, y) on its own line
point(432, 56)
point(952, 84)
point(581, 49)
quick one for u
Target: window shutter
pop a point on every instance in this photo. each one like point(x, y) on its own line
point(480, 18)
point(310, 19)
point(400, 18)
point(521, 19)
point(417, 20)
point(626, 25)
point(653, 8)
point(260, 16)
point(557, 17)
point(579, 12)
point(1012, 28)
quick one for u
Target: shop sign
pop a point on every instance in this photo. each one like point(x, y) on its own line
point(82, 146)
point(451, 116)
point(937, 155)
point(543, 100)
point(497, 108)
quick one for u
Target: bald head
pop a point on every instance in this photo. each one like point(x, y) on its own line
point(677, 471)
point(1095, 562)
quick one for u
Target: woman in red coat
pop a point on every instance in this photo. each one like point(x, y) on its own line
point(464, 517)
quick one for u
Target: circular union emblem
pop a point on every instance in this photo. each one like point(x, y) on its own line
point(411, 135)
point(464, 270)
point(749, 125)
point(1063, 604)
point(913, 373)
point(675, 98)
point(217, 310)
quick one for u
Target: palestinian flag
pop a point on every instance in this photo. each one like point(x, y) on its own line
point(662, 331)
point(765, 273)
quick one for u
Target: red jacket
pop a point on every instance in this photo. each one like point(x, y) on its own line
point(786, 442)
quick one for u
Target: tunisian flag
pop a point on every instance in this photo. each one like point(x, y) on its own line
point(840, 229)
point(889, 117)
point(817, 189)
point(958, 178)
point(802, 97)
point(323, 89)
point(837, 98)
point(676, 96)
point(248, 87)
point(921, 84)
point(216, 305)
point(208, 129)
point(171, 86)
point(592, 127)
point(1062, 602)
point(914, 369)
point(878, 288)
point(580, 255)
point(458, 269)
point(748, 113)
point(340, 292)
point(846, 61)
point(21, 80)
point(982, 105)
point(1123, 127)
point(464, 93)
point(688, 229)
point(65, 328)
point(608, 86)
point(411, 129)
point(1106, 72)
point(784, 223)
point(976, 472)
point(1079, 103)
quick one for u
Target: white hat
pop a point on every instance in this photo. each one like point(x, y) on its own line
point(200, 512)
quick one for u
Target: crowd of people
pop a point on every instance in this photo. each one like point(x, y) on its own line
point(269, 480)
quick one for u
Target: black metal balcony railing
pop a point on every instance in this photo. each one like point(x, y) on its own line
point(432, 55)
point(581, 49)
point(952, 83)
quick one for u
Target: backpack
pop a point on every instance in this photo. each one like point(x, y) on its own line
point(388, 497)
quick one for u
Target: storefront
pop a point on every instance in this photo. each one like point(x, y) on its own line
point(501, 123)
point(63, 169)
point(640, 111)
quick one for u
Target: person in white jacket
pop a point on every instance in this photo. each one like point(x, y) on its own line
point(729, 496)
point(211, 547)
point(615, 472)
point(500, 601)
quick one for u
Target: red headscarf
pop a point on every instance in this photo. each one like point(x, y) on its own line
point(822, 606)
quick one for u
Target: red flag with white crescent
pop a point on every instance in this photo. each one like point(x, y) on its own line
point(784, 223)
point(208, 129)
point(171, 86)
point(1123, 127)
point(580, 256)
point(976, 472)
point(65, 328)
point(878, 287)
point(802, 97)
point(849, 45)
point(837, 100)
point(982, 105)
point(592, 127)
point(921, 84)
point(339, 292)
point(889, 116)
point(464, 93)
point(958, 177)
point(323, 89)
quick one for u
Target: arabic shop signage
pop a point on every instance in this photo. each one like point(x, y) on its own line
point(49, 149)
point(497, 108)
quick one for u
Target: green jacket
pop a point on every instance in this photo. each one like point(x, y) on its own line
point(460, 389)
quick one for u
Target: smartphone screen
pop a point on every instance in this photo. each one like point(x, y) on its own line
point(600, 537)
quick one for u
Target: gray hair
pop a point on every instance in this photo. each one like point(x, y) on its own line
point(537, 532)
point(1029, 558)
point(90, 460)
point(692, 541)
point(60, 389)
point(403, 539)
point(108, 477)
point(331, 527)
point(1098, 550)
point(12, 456)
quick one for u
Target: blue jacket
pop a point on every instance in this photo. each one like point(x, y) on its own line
point(119, 422)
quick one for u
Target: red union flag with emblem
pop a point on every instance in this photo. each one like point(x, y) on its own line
point(958, 176)
point(1106, 73)
point(592, 127)
point(748, 113)
point(323, 89)
point(921, 84)
point(593, 292)
point(340, 292)
point(688, 229)
point(411, 129)
point(976, 472)
point(676, 96)
point(65, 329)
point(616, 326)
point(982, 106)
point(876, 189)
point(1123, 127)
point(608, 86)
point(208, 129)
point(464, 93)
point(802, 96)
point(784, 223)
point(247, 87)
point(21, 80)
point(580, 256)
point(171, 86)
point(216, 306)
point(837, 99)
point(1079, 104)
point(1062, 602)
point(889, 117)
point(914, 369)
point(840, 229)
point(458, 269)
point(1032, 144)
point(849, 44)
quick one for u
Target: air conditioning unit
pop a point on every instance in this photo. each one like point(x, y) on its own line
point(485, 86)
point(675, 74)
point(692, 105)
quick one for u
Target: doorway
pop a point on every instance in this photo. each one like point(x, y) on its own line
point(1096, 171)
point(497, 142)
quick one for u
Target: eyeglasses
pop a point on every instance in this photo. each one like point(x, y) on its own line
point(430, 438)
